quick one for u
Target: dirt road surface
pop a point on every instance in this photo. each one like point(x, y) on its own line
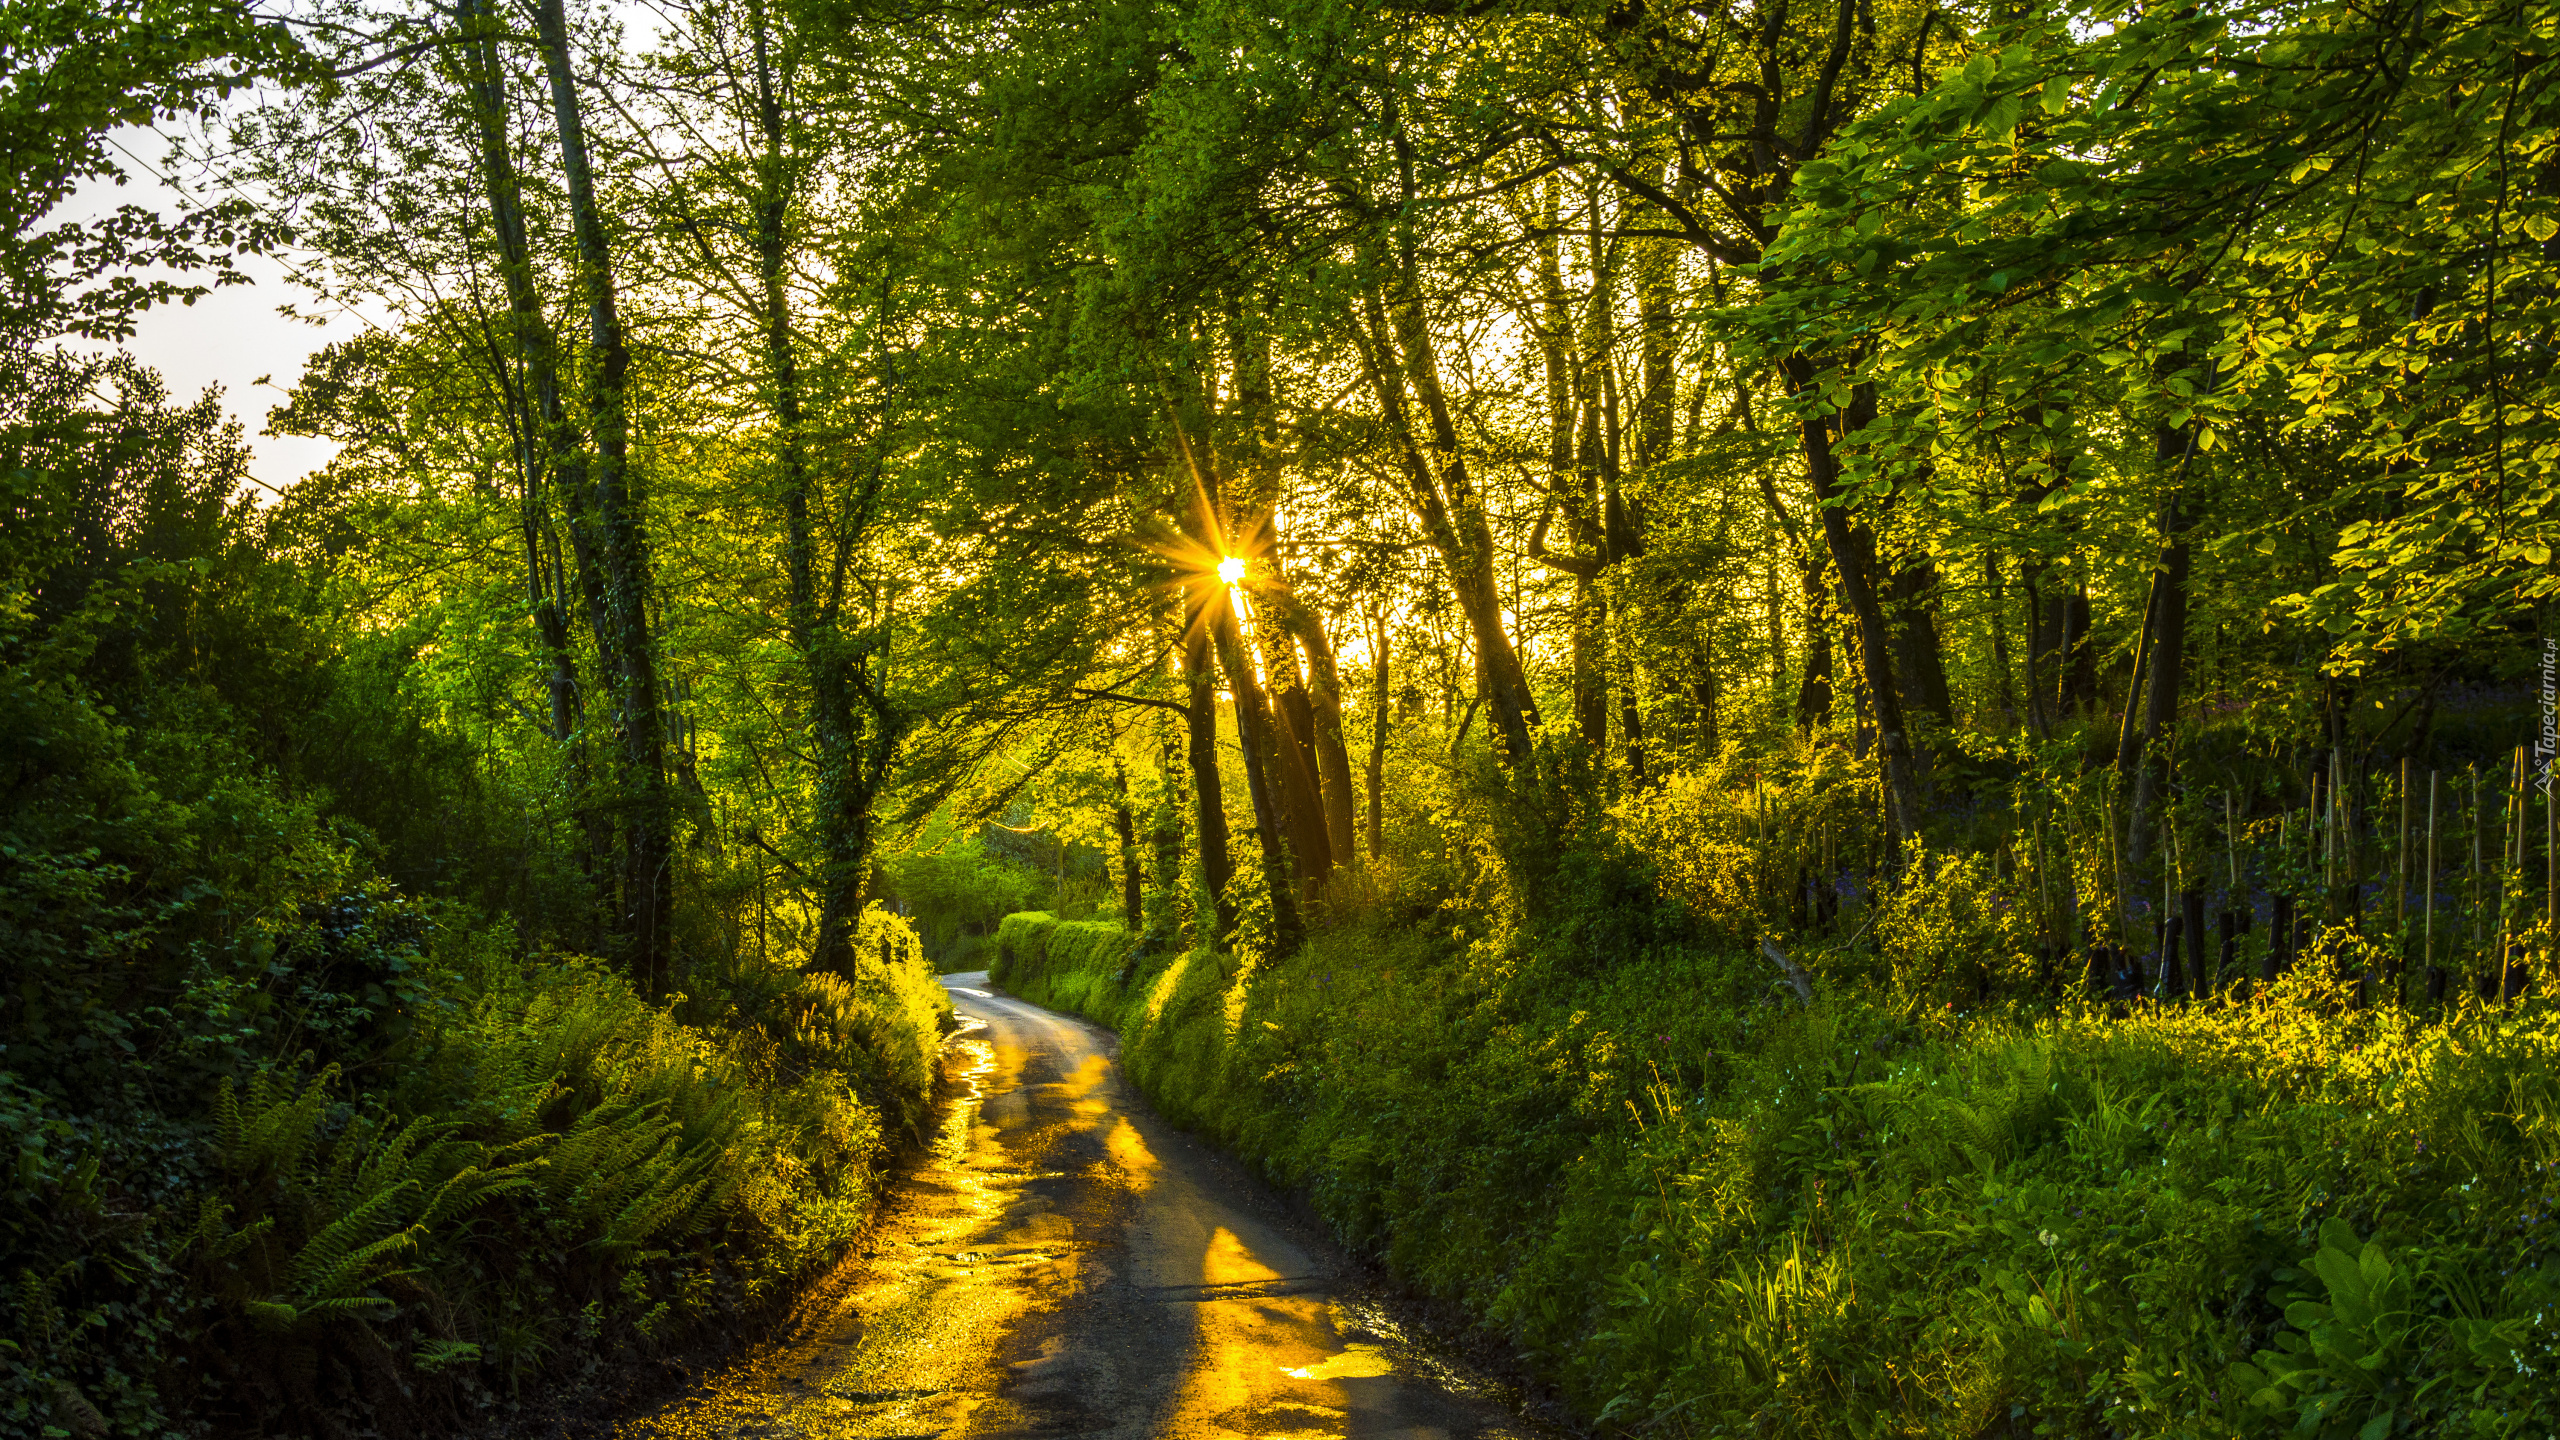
point(1065, 1263)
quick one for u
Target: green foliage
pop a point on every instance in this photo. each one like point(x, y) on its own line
point(1959, 938)
point(74, 72)
point(956, 888)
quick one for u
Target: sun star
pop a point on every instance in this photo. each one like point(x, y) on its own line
point(1231, 569)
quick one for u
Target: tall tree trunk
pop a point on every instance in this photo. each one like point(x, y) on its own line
point(834, 725)
point(546, 443)
point(1258, 737)
point(2078, 677)
point(1247, 482)
point(1629, 679)
point(1200, 723)
point(1852, 547)
point(2044, 646)
point(1324, 697)
point(1706, 691)
point(2159, 673)
point(649, 817)
point(2005, 685)
point(1656, 275)
point(1293, 756)
point(1919, 660)
point(1378, 702)
point(1590, 647)
point(1132, 911)
point(1167, 837)
point(1570, 476)
point(1777, 635)
point(1813, 688)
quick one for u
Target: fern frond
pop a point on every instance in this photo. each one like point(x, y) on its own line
point(355, 1267)
point(327, 1255)
point(651, 1213)
point(274, 1316)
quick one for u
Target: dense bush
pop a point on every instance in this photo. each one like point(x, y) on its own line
point(1708, 1209)
point(291, 1145)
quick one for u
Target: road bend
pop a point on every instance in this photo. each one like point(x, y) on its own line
point(1064, 1262)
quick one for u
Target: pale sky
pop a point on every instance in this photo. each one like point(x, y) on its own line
point(232, 336)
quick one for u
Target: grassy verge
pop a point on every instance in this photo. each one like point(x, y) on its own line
point(1706, 1209)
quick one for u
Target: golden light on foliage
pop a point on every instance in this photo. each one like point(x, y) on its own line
point(1231, 569)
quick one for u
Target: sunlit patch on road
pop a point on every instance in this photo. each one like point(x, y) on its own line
point(1357, 1362)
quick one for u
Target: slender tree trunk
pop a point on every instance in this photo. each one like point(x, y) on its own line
point(1261, 742)
point(1777, 634)
point(834, 724)
point(1132, 910)
point(1631, 738)
point(1247, 482)
point(1324, 697)
point(2005, 686)
point(1656, 276)
point(1167, 838)
point(1378, 702)
point(1590, 667)
point(1399, 360)
point(1919, 659)
point(2160, 671)
point(1208, 796)
point(649, 816)
point(2043, 644)
point(1852, 548)
point(1293, 754)
point(546, 443)
point(1813, 689)
point(2078, 676)
point(1581, 468)
point(1706, 691)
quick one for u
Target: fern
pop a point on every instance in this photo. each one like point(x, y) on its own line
point(275, 1128)
point(350, 1211)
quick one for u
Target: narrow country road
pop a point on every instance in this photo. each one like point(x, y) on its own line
point(1066, 1263)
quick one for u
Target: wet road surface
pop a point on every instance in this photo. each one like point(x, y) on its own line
point(1066, 1263)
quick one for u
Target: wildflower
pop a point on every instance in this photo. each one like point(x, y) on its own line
point(2048, 1239)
